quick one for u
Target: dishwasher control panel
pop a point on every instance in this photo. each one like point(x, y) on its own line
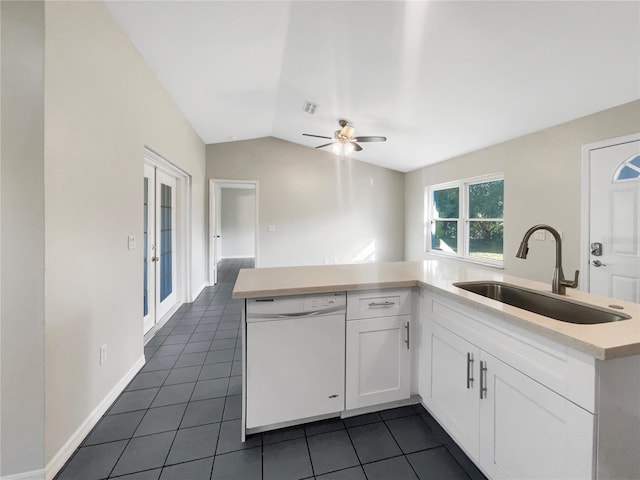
point(298, 305)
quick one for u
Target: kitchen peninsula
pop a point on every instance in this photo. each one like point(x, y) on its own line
point(523, 394)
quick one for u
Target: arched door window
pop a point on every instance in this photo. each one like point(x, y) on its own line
point(628, 170)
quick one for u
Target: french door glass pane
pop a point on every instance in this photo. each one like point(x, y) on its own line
point(486, 239)
point(446, 203)
point(146, 245)
point(444, 236)
point(166, 252)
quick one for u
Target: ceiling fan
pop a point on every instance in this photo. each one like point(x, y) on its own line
point(343, 141)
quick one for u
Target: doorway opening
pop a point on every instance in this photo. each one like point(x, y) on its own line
point(233, 223)
point(166, 241)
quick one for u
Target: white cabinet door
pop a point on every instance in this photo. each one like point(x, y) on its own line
point(530, 432)
point(295, 369)
point(453, 387)
point(378, 361)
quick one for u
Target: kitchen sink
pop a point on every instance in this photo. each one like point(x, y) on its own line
point(543, 303)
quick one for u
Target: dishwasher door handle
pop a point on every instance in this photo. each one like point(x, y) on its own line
point(269, 316)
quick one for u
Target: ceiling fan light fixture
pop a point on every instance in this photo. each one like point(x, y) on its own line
point(347, 131)
point(347, 148)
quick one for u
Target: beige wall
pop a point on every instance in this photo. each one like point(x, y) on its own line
point(323, 207)
point(22, 238)
point(103, 105)
point(542, 173)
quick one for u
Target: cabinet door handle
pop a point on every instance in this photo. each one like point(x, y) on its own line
point(385, 304)
point(408, 338)
point(469, 370)
point(483, 379)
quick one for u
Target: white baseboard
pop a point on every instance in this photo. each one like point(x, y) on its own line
point(200, 289)
point(237, 257)
point(61, 457)
point(32, 475)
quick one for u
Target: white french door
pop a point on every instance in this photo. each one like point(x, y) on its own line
point(159, 245)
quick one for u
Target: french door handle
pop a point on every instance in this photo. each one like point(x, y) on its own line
point(483, 379)
point(155, 259)
point(469, 370)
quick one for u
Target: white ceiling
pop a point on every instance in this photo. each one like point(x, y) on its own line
point(438, 78)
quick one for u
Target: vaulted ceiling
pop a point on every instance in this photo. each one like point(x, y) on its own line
point(438, 78)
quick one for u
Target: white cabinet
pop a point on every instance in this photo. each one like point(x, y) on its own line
point(295, 369)
point(378, 356)
point(529, 431)
point(508, 422)
point(453, 393)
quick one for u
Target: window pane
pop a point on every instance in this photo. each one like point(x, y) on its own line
point(486, 240)
point(446, 203)
point(444, 236)
point(486, 200)
point(166, 274)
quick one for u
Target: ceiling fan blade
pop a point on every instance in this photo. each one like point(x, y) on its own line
point(325, 145)
point(317, 136)
point(370, 139)
point(356, 147)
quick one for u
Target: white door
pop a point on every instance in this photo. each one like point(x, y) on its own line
point(615, 221)
point(149, 229)
point(214, 232)
point(378, 366)
point(453, 390)
point(295, 369)
point(530, 432)
point(159, 245)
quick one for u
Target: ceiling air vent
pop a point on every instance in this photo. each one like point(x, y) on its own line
point(309, 107)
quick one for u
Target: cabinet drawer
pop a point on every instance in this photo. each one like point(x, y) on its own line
point(378, 303)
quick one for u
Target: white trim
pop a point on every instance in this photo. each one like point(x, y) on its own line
point(585, 201)
point(200, 289)
point(74, 441)
point(32, 475)
point(214, 189)
point(236, 256)
point(160, 323)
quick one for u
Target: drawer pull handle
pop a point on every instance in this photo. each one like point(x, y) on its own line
point(408, 338)
point(334, 396)
point(385, 304)
point(483, 379)
point(469, 370)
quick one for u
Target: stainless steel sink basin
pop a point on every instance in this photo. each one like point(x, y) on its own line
point(543, 304)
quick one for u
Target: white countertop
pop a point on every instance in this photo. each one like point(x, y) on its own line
point(603, 341)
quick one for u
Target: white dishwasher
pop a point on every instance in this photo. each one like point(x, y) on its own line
point(295, 350)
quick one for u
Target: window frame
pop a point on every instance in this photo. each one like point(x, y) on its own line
point(463, 220)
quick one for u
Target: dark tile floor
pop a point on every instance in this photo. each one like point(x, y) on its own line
point(179, 419)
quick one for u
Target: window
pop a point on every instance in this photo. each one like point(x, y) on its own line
point(629, 170)
point(465, 219)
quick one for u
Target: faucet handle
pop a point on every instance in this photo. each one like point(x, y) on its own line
point(569, 283)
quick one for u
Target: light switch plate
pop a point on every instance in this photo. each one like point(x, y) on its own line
point(271, 228)
point(131, 240)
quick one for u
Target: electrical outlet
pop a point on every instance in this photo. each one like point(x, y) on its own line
point(131, 239)
point(103, 354)
point(539, 235)
point(271, 228)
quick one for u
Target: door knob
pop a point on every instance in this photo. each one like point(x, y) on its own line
point(598, 263)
